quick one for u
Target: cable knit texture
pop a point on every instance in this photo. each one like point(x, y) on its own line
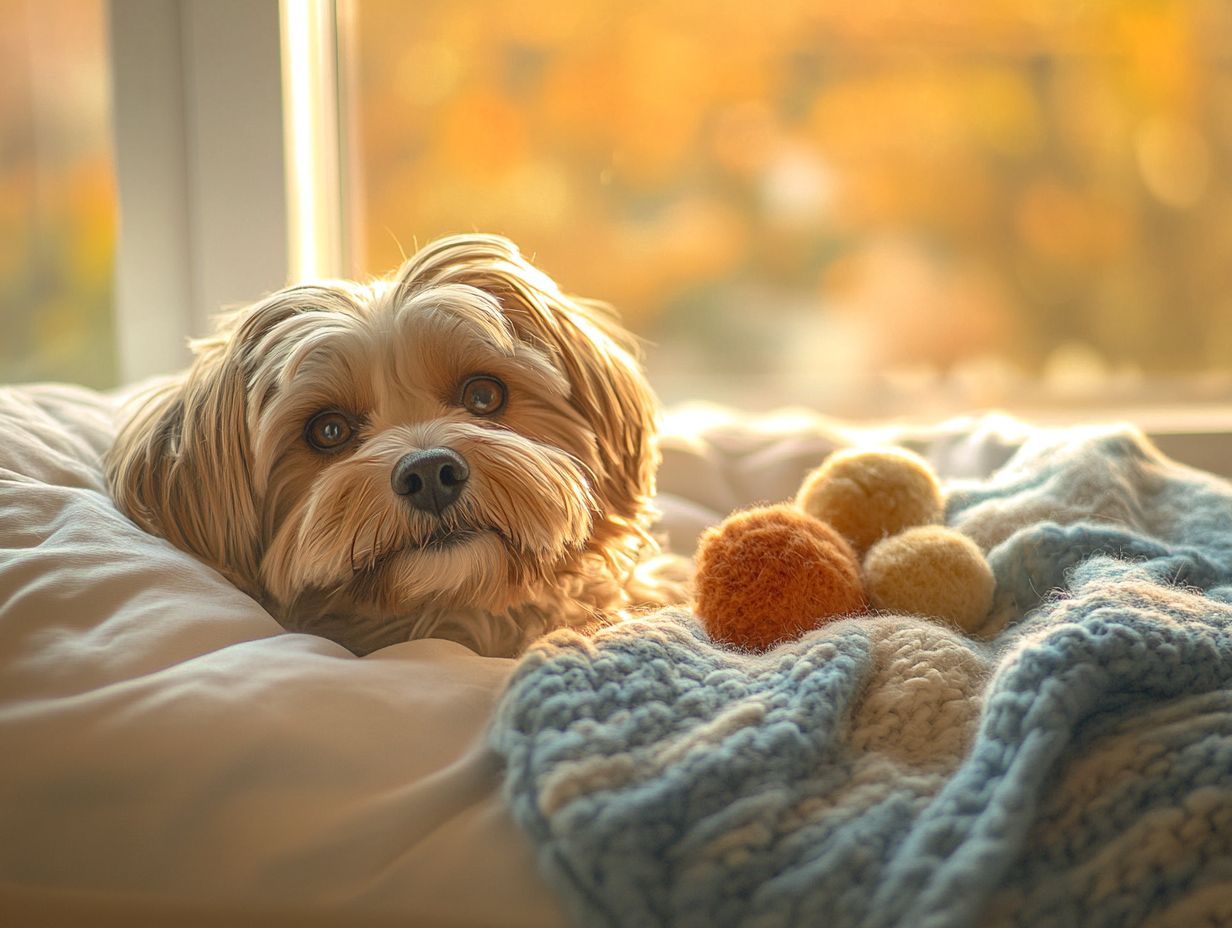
point(1074, 768)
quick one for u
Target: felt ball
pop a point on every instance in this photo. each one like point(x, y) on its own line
point(872, 493)
point(932, 571)
point(770, 574)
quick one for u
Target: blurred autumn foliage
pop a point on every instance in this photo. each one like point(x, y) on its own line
point(816, 201)
point(886, 206)
point(57, 194)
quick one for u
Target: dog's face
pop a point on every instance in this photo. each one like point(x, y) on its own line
point(366, 459)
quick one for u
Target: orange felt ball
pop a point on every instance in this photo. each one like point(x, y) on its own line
point(770, 574)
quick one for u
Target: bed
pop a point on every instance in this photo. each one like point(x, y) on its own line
point(172, 754)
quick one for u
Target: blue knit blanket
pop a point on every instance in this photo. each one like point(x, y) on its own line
point(1072, 765)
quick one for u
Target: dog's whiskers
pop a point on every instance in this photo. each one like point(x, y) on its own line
point(354, 541)
point(374, 554)
point(376, 548)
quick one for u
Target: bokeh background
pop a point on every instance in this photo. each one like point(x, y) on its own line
point(57, 194)
point(878, 205)
point(892, 207)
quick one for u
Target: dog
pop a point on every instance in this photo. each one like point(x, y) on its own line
point(458, 450)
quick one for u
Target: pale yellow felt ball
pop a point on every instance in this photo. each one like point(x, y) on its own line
point(872, 493)
point(932, 571)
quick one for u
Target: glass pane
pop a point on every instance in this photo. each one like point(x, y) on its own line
point(57, 194)
point(868, 208)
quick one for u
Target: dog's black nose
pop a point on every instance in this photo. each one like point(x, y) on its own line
point(431, 480)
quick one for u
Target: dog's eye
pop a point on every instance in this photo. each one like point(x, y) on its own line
point(328, 431)
point(483, 395)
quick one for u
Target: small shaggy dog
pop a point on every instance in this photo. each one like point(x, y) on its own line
point(458, 451)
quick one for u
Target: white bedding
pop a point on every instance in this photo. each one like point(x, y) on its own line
point(168, 751)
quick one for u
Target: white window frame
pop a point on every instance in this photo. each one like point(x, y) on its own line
point(227, 165)
point(228, 162)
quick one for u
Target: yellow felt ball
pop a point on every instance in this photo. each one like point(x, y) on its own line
point(869, 494)
point(931, 571)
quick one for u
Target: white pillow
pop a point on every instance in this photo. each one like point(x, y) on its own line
point(168, 748)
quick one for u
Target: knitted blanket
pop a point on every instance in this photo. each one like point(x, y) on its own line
point(1071, 766)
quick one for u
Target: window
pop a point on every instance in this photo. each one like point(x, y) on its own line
point(877, 209)
point(873, 208)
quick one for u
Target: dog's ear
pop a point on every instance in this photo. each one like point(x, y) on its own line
point(182, 464)
point(599, 358)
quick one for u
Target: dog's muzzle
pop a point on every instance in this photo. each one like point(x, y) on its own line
point(431, 480)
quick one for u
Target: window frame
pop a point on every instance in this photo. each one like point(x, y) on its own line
point(207, 119)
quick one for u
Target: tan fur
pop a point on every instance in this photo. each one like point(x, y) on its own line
point(561, 479)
